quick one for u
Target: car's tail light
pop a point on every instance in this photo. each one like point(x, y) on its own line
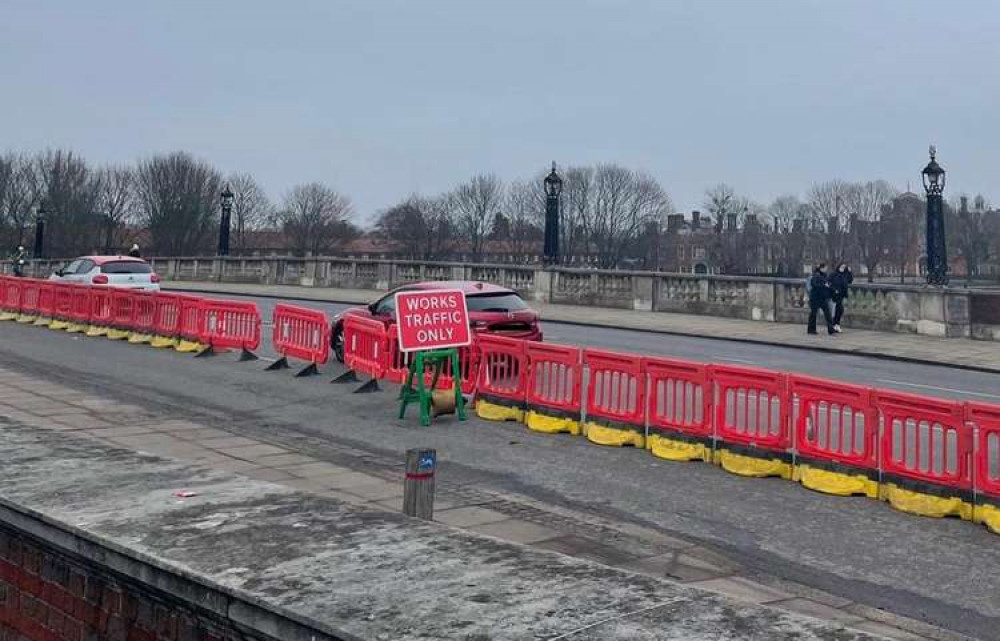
point(154, 278)
point(100, 279)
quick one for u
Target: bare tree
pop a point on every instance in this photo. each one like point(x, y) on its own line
point(787, 220)
point(830, 206)
point(69, 192)
point(251, 209)
point(576, 205)
point(866, 202)
point(624, 204)
point(177, 197)
point(19, 195)
point(525, 215)
point(970, 234)
point(736, 247)
point(418, 228)
point(116, 202)
point(316, 219)
point(475, 205)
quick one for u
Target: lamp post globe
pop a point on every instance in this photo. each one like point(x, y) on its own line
point(937, 249)
point(553, 192)
point(226, 200)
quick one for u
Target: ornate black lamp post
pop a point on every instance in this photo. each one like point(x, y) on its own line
point(40, 231)
point(553, 191)
point(226, 198)
point(937, 250)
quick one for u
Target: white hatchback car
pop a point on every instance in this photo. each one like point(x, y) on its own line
point(114, 271)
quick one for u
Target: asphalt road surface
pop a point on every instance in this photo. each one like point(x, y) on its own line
point(929, 380)
point(946, 572)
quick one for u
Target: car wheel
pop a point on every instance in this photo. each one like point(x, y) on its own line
point(337, 343)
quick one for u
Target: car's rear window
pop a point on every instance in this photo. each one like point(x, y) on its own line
point(126, 267)
point(495, 303)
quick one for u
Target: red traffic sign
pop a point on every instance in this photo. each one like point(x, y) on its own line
point(432, 319)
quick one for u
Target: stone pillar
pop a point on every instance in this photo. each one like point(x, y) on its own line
point(384, 276)
point(544, 279)
point(643, 293)
point(762, 299)
point(932, 319)
point(957, 316)
point(308, 278)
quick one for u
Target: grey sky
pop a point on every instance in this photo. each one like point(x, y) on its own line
point(380, 99)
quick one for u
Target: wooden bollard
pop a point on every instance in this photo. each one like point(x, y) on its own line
point(418, 488)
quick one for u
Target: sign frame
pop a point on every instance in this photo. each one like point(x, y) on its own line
point(403, 347)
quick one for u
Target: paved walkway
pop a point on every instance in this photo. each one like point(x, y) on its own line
point(359, 478)
point(977, 355)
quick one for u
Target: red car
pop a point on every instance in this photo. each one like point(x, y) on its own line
point(492, 309)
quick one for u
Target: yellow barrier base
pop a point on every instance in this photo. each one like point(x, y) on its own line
point(75, 328)
point(42, 322)
point(187, 347)
point(117, 334)
point(96, 330)
point(551, 424)
point(163, 341)
point(135, 337)
point(59, 325)
point(493, 412)
point(988, 515)
point(25, 318)
point(925, 504)
point(743, 465)
point(6, 316)
point(677, 450)
point(613, 437)
point(836, 483)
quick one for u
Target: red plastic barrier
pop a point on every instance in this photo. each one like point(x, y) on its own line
point(62, 300)
point(555, 379)
point(617, 389)
point(680, 399)
point(192, 318)
point(230, 324)
point(101, 306)
point(80, 305)
point(503, 370)
point(167, 315)
point(122, 309)
point(301, 333)
point(925, 442)
point(366, 346)
point(835, 423)
point(46, 299)
point(30, 294)
point(11, 301)
point(987, 420)
point(751, 409)
point(144, 312)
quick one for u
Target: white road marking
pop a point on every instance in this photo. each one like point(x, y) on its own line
point(939, 389)
point(733, 360)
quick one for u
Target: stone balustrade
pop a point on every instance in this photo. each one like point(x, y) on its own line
point(951, 312)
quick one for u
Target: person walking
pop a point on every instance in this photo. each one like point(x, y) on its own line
point(840, 286)
point(18, 259)
point(134, 252)
point(819, 299)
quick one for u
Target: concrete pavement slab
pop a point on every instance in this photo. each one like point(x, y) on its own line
point(742, 589)
point(516, 530)
point(468, 516)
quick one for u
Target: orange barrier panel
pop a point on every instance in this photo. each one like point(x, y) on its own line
point(79, 312)
point(616, 395)
point(751, 420)
point(554, 388)
point(366, 346)
point(398, 366)
point(679, 410)
point(62, 300)
point(30, 293)
point(167, 317)
point(122, 313)
point(987, 463)
point(926, 455)
point(300, 332)
point(501, 392)
point(46, 302)
point(101, 317)
point(191, 324)
point(228, 324)
point(836, 436)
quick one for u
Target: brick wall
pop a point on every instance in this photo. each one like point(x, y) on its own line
point(48, 596)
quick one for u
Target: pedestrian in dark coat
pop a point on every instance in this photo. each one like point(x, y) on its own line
point(840, 286)
point(820, 294)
